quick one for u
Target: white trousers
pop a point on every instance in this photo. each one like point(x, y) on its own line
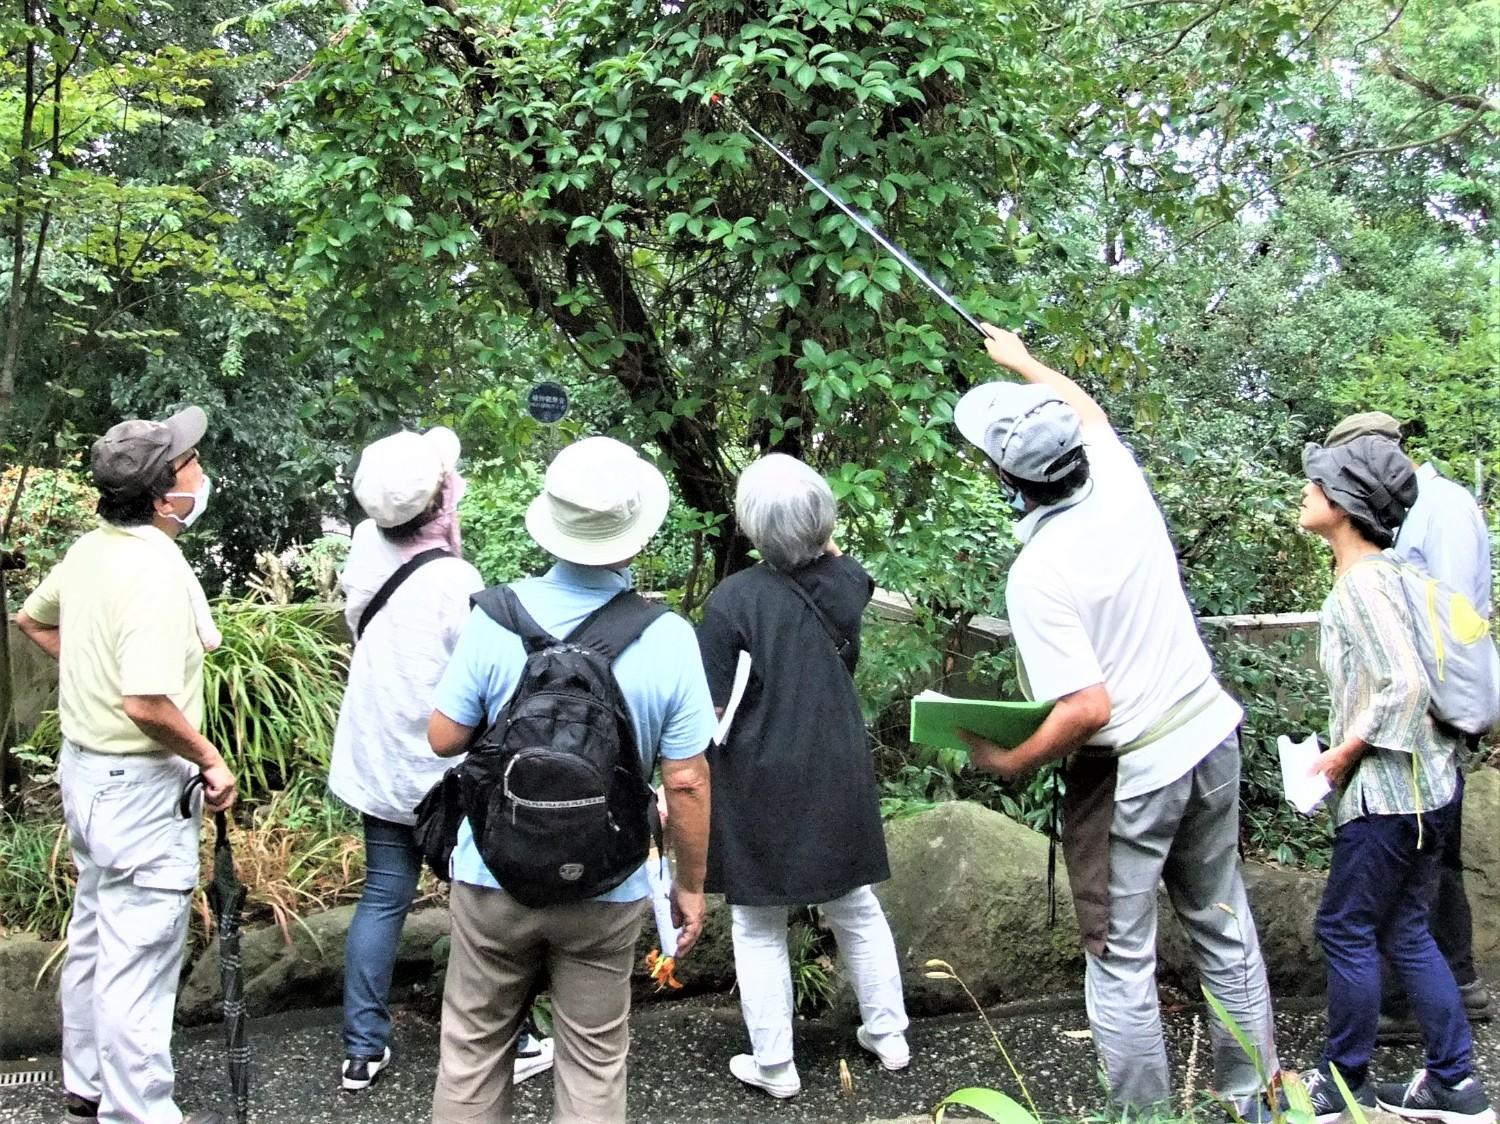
point(764, 969)
point(137, 862)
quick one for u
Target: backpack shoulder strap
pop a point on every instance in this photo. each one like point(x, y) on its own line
point(393, 583)
point(502, 606)
point(616, 624)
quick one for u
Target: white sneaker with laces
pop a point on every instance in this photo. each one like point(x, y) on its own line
point(891, 1049)
point(781, 1081)
point(533, 1056)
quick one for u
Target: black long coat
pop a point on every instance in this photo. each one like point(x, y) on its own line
point(796, 812)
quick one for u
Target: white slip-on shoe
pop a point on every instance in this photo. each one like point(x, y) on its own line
point(891, 1049)
point(780, 1081)
point(533, 1056)
point(360, 1073)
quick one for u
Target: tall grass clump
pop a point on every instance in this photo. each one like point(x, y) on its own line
point(272, 691)
point(36, 876)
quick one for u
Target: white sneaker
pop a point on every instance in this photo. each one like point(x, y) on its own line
point(533, 1056)
point(781, 1081)
point(891, 1049)
point(359, 1073)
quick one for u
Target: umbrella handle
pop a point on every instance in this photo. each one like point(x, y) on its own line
point(185, 803)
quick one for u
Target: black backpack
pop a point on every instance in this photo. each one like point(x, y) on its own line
point(554, 790)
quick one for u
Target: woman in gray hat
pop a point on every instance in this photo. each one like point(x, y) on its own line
point(1395, 774)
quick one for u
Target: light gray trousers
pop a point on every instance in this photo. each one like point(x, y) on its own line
point(1185, 834)
point(137, 862)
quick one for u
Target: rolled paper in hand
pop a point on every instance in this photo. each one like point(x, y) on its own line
point(661, 902)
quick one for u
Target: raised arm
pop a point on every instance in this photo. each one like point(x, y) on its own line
point(1007, 349)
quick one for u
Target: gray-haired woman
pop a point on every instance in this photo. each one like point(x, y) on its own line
point(796, 815)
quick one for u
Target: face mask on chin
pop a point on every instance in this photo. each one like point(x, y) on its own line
point(199, 496)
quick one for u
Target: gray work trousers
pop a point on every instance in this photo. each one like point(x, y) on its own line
point(137, 862)
point(1187, 835)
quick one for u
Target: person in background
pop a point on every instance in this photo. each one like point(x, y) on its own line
point(126, 619)
point(600, 505)
point(1444, 535)
point(796, 812)
point(1102, 625)
point(409, 487)
point(1398, 793)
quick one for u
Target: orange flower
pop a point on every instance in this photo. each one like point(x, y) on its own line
point(663, 970)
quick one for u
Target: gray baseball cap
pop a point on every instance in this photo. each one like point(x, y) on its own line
point(1024, 428)
point(1369, 477)
point(1373, 423)
point(133, 453)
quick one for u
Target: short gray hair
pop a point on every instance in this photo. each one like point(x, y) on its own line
point(785, 509)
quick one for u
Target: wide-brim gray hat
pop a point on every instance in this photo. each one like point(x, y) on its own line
point(1369, 477)
point(1025, 428)
point(600, 504)
point(133, 453)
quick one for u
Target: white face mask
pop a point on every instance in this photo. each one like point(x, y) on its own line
point(199, 496)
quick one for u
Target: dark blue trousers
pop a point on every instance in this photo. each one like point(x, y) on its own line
point(1377, 904)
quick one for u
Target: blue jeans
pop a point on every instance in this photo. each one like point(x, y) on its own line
point(1377, 903)
point(392, 864)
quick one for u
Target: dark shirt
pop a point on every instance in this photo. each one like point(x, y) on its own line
point(796, 812)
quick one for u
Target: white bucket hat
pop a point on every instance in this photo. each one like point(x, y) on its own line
point(399, 475)
point(600, 503)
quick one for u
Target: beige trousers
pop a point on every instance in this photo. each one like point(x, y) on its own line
point(501, 952)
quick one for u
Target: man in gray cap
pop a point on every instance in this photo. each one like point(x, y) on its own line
point(127, 621)
point(1445, 535)
point(1150, 740)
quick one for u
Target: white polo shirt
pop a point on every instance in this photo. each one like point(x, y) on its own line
point(1095, 597)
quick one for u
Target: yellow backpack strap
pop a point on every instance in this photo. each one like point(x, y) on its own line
point(1436, 626)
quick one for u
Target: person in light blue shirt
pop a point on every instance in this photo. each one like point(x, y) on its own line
point(1445, 535)
point(600, 505)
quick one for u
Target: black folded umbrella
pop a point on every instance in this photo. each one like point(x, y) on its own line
point(227, 897)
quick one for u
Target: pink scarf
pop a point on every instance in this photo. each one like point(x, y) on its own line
point(442, 533)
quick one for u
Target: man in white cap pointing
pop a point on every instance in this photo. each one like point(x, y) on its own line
point(1150, 740)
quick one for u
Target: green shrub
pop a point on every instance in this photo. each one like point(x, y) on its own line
point(272, 691)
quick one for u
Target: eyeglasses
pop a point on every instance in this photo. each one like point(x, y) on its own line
point(189, 459)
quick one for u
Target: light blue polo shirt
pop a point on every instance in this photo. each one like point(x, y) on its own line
point(661, 676)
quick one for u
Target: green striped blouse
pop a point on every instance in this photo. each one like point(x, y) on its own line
point(1378, 691)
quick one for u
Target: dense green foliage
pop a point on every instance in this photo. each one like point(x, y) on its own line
point(321, 220)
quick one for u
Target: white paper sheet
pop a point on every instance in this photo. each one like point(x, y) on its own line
point(736, 693)
point(661, 903)
point(1304, 789)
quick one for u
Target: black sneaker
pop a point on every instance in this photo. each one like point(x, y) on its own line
point(80, 1110)
point(1424, 1097)
point(359, 1073)
point(1328, 1103)
point(1477, 1003)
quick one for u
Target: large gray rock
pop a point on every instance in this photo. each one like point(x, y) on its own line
point(308, 972)
point(30, 1021)
point(1481, 855)
point(969, 886)
point(1283, 903)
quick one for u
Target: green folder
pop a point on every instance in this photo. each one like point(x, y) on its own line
point(935, 720)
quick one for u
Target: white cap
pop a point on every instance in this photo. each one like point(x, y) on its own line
point(600, 504)
point(1024, 428)
point(399, 475)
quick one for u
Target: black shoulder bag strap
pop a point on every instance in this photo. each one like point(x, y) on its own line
point(840, 642)
point(502, 606)
point(393, 583)
point(616, 624)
